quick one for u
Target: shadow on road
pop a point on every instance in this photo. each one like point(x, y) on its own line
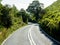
point(43, 32)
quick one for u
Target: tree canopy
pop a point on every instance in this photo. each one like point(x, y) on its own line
point(35, 8)
point(51, 20)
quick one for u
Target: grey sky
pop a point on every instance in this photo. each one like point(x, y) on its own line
point(24, 3)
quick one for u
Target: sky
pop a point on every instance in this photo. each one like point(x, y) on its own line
point(25, 3)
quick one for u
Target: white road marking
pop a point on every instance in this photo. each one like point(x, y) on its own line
point(30, 37)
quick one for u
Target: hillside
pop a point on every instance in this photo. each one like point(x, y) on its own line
point(50, 21)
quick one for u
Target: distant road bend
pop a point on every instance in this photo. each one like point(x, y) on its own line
point(28, 35)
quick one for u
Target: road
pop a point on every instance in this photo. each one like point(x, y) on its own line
point(28, 35)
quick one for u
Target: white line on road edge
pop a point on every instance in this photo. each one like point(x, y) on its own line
point(30, 37)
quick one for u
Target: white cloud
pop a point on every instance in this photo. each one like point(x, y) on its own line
point(24, 3)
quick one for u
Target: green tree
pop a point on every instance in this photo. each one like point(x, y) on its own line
point(51, 20)
point(14, 10)
point(24, 15)
point(35, 7)
point(5, 18)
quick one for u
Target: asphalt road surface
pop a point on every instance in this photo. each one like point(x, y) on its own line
point(28, 35)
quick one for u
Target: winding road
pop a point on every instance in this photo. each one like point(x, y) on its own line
point(28, 35)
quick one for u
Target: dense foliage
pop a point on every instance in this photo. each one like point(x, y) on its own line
point(5, 18)
point(50, 21)
point(35, 8)
point(24, 15)
point(10, 21)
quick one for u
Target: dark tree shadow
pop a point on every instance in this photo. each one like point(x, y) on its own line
point(43, 32)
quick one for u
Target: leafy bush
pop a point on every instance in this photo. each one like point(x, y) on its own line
point(9, 22)
point(50, 21)
point(5, 18)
